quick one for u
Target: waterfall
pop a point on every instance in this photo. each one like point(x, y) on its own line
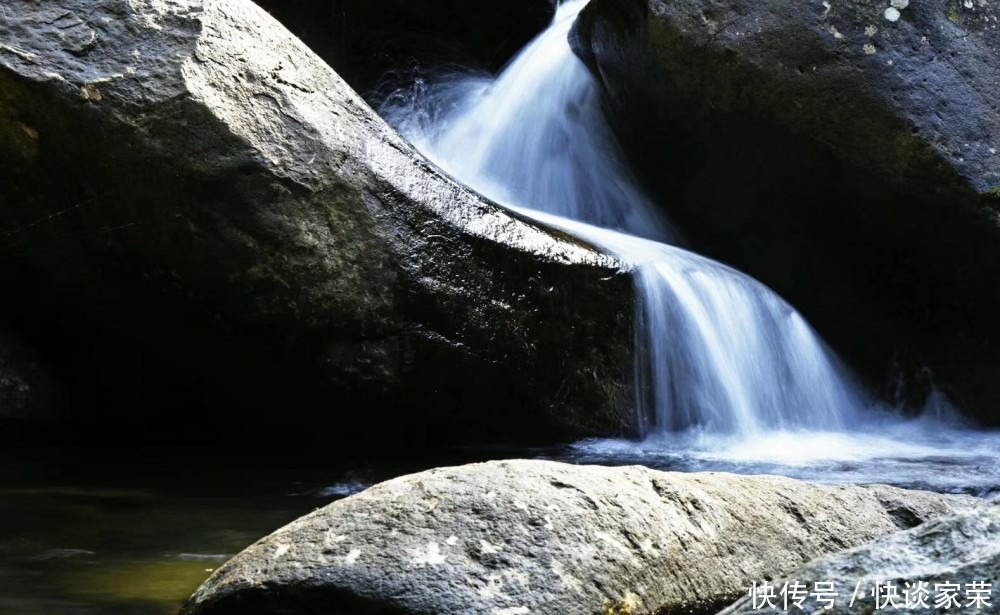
point(535, 136)
point(716, 350)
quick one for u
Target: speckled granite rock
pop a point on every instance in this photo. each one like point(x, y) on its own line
point(520, 537)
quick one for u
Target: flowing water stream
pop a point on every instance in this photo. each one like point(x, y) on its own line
point(728, 374)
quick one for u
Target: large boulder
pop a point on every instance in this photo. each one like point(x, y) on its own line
point(846, 153)
point(518, 537)
point(906, 570)
point(220, 226)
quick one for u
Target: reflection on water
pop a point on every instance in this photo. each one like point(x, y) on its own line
point(135, 532)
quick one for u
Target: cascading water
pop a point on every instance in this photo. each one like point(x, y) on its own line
point(719, 355)
point(718, 350)
point(535, 136)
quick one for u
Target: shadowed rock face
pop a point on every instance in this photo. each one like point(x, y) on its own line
point(848, 161)
point(963, 548)
point(376, 43)
point(210, 224)
point(541, 537)
point(27, 393)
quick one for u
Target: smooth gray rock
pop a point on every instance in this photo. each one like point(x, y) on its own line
point(190, 177)
point(850, 162)
point(963, 548)
point(520, 537)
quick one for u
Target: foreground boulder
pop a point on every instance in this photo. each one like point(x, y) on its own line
point(520, 537)
point(845, 153)
point(962, 548)
point(190, 182)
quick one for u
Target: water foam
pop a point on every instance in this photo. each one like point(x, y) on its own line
point(728, 374)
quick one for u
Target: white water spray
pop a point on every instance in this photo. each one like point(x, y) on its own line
point(729, 376)
point(716, 350)
point(535, 136)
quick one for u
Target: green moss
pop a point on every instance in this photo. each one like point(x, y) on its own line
point(623, 607)
point(953, 13)
point(994, 192)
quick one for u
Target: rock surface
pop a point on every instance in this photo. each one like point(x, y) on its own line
point(519, 537)
point(190, 181)
point(904, 97)
point(848, 160)
point(962, 548)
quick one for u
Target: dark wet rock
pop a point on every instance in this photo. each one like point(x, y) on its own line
point(223, 237)
point(962, 549)
point(520, 537)
point(848, 161)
